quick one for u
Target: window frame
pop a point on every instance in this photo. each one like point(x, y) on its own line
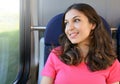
point(25, 43)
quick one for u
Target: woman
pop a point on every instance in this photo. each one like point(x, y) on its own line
point(86, 54)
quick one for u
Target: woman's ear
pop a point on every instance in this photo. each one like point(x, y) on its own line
point(93, 26)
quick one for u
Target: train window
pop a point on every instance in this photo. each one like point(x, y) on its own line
point(9, 40)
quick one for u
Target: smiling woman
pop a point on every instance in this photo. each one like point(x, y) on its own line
point(86, 53)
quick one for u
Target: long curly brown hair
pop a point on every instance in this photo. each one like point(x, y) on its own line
point(101, 52)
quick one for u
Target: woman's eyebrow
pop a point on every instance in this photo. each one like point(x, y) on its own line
point(72, 18)
point(76, 17)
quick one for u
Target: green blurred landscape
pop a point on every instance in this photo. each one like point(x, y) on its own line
point(9, 40)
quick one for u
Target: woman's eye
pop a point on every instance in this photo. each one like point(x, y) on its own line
point(76, 20)
point(65, 23)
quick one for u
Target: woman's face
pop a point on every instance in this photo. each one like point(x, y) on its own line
point(77, 27)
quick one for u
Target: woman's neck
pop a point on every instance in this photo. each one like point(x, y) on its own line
point(84, 49)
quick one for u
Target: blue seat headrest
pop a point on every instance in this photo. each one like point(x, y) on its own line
point(53, 30)
point(107, 26)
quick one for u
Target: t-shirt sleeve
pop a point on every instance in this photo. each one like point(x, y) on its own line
point(114, 74)
point(49, 68)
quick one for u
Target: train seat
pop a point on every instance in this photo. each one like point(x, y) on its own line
point(54, 29)
point(52, 32)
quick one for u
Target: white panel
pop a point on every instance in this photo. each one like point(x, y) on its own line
point(113, 12)
point(34, 12)
point(50, 8)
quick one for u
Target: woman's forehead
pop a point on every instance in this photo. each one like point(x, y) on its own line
point(73, 13)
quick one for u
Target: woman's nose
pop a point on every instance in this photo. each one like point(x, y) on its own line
point(71, 26)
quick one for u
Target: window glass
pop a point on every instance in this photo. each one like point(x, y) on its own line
point(9, 40)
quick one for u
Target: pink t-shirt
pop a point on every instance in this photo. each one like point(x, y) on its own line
point(66, 74)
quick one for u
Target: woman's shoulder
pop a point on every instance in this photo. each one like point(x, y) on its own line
point(114, 71)
point(57, 50)
point(54, 54)
point(115, 65)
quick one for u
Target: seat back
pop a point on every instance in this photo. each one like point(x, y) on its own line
point(51, 35)
point(107, 26)
point(54, 29)
point(118, 42)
